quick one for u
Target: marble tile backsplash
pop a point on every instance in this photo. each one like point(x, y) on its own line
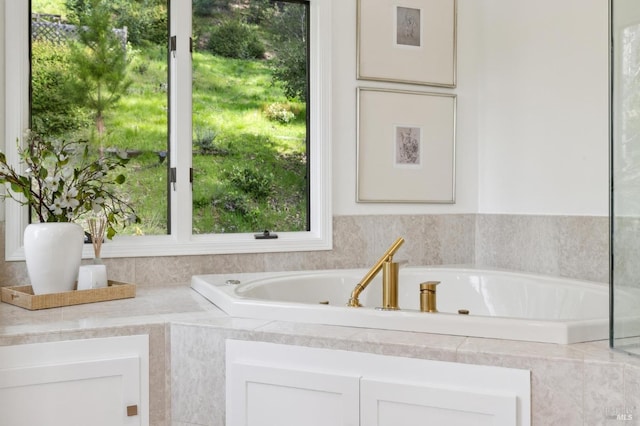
point(571, 246)
point(568, 246)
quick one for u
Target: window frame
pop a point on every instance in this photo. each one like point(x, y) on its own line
point(181, 241)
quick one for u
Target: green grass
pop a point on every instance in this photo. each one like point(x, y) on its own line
point(249, 171)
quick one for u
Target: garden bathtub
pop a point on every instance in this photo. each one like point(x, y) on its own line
point(501, 304)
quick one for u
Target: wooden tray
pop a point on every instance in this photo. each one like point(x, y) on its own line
point(23, 296)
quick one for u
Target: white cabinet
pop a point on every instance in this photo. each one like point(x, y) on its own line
point(269, 384)
point(280, 396)
point(386, 403)
point(76, 383)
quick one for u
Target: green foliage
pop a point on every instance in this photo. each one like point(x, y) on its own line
point(233, 38)
point(146, 20)
point(288, 30)
point(229, 96)
point(290, 70)
point(259, 11)
point(233, 202)
point(233, 212)
point(232, 130)
point(205, 143)
point(53, 111)
point(256, 183)
point(99, 63)
point(279, 112)
point(208, 8)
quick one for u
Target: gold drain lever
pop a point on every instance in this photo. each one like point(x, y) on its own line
point(428, 296)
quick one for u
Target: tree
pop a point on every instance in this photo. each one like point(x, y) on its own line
point(99, 62)
point(289, 31)
point(146, 20)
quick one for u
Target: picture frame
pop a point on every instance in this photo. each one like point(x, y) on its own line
point(407, 41)
point(405, 146)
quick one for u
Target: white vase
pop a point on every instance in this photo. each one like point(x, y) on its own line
point(53, 252)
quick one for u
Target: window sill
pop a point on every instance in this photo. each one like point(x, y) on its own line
point(156, 246)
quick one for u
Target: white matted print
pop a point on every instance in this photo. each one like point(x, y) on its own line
point(406, 146)
point(408, 41)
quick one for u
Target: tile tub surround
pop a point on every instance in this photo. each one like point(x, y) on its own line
point(580, 384)
point(567, 246)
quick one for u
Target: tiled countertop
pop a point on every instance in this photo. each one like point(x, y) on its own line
point(180, 304)
point(152, 305)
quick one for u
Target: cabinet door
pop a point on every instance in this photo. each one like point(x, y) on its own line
point(268, 396)
point(386, 403)
point(98, 382)
point(269, 391)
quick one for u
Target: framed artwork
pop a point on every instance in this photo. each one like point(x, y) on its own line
point(407, 41)
point(405, 146)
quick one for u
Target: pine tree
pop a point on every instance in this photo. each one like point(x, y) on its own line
point(100, 63)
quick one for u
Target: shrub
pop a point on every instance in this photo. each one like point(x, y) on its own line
point(53, 111)
point(141, 67)
point(235, 39)
point(206, 8)
point(205, 142)
point(288, 29)
point(290, 69)
point(279, 112)
point(251, 181)
point(146, 20)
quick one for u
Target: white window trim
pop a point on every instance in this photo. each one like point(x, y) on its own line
point(182, 242)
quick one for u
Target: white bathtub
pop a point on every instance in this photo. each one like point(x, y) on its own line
point(503, 305)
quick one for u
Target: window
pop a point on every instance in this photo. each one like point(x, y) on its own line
point(250, 104)
point(176, 161)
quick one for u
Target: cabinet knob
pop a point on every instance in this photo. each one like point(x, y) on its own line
point(132, 410)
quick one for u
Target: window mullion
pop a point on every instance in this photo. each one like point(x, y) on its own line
point(180, 120)
point(17, 76)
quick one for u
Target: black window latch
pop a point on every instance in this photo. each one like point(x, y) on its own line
point(266, 235)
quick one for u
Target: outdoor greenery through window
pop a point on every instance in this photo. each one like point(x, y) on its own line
point(100, 74)
point(250, 90)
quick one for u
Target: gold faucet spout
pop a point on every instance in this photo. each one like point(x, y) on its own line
point(364, 282)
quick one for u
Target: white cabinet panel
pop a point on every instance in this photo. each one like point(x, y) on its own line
point(385, 403)
point(95, 393)
point(260, 395)
point(76, 383)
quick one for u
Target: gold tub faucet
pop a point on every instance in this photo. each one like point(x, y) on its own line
point(389, 279)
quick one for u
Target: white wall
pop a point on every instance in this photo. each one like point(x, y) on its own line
point(543, 111)
point(532, 109)
point(532, 133)
point(345, 120)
